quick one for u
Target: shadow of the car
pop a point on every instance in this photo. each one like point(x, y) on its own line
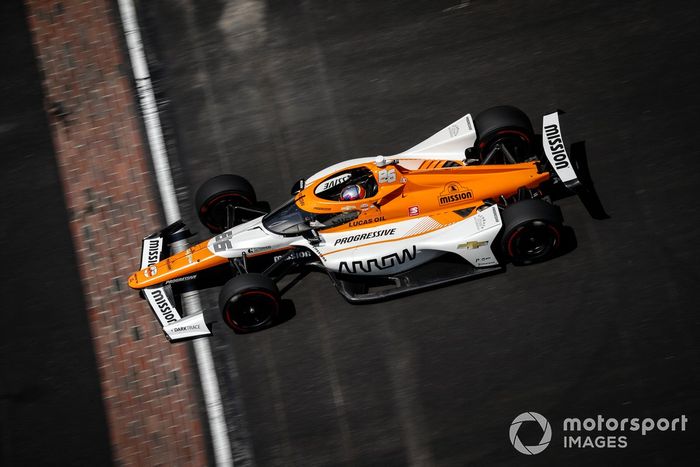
point(287, 312)
point(589, 197)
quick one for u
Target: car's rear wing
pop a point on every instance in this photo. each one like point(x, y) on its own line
point(571, 171)
point(161, 298)
point(555, 150)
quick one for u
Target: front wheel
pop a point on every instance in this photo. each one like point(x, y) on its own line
point(249, 303)
point(217, 196)
point(531, 231)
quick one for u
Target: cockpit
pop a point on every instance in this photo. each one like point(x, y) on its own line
point(290, 220)
point(348, 185)
point(342, 187)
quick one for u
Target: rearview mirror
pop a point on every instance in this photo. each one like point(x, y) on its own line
point(297, 229)
point(298, 186)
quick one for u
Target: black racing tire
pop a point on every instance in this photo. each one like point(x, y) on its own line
point(249, 303)
point(216, 194)
point(532, 231)
point(505, 125)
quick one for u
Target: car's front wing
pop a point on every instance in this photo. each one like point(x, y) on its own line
point(161, 298)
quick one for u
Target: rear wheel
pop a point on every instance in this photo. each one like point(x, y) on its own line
point(249, 303)
point(532, 231)
point(217, 195)
point(505, 135)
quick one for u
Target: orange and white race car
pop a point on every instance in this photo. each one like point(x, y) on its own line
point(465, 202)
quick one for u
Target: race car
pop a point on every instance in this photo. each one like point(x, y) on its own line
point(465, 202)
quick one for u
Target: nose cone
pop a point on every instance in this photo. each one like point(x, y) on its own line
point(184, 263)
point(143, 278)
point(133, 280)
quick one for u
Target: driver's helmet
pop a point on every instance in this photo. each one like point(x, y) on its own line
point(352, 192)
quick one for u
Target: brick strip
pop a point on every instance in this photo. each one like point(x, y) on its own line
point(147, 384)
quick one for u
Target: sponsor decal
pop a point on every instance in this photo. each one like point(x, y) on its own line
point(365, 236)
point(332, 182)
point(153, 250)
point(366, 221)
point(413, 211)
point(318, 252)
point(454, 130)
point(164, 306)
point(150, 271)
point(480, 221)
point(556, 146)
point(485, 261)
point(189, 327)
point(387, 175)
point(296, 255)
point(379, 264)
point(473, 245)
point(454, 193)
point(181, 279)
point(258, 249)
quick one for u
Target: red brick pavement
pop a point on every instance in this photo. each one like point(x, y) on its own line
point(147, 384)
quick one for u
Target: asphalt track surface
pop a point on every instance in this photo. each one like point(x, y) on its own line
point(51, 411)
point(277, 90)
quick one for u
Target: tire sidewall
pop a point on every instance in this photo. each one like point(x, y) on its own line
point(232, 320)
point(526, 216)
point(246, 286)
point(551, 243)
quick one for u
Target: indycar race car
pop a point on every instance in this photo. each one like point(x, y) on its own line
point(465, 202)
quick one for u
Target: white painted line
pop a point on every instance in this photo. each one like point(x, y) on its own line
point(190, 301)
